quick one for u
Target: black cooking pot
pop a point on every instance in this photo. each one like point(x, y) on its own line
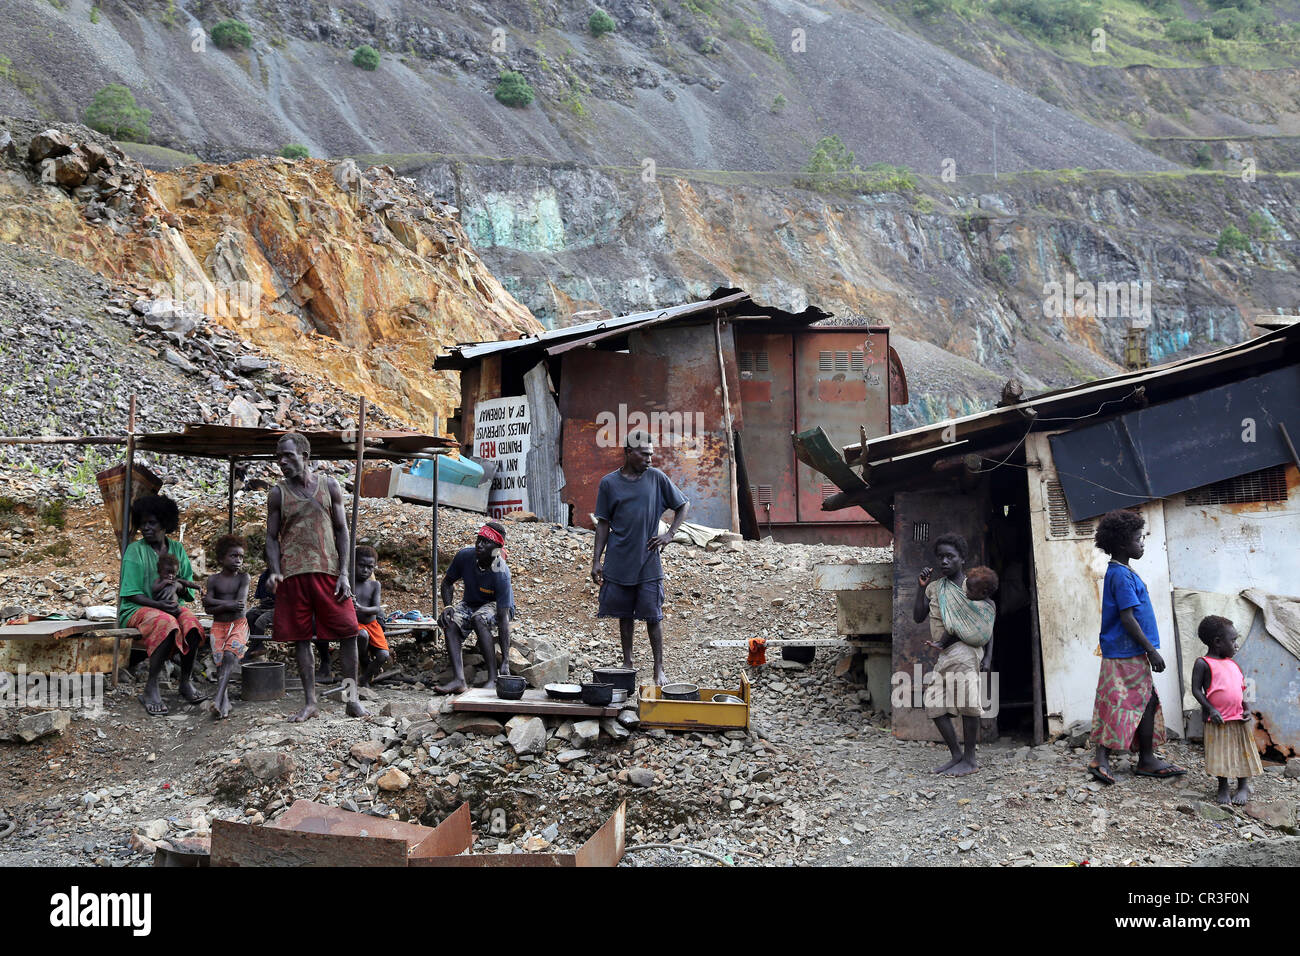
point(623, 678)
point(598, 695)
point(510, 688)
point(262, 680)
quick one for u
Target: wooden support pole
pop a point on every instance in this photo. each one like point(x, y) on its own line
point(1035, 652)
point(356, 490)
point(434, 562)
point(726, 410)
point(64, 440)
point(230, 499)
point(126, 526)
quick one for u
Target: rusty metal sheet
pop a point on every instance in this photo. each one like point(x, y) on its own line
point(240, 844)
point(450, 837)
point(307, 816)
point(766, 365)
point(841, 383)
point(606, 846)
point(897, 379)
point(668, 383)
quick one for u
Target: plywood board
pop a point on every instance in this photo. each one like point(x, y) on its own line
point(485, 700)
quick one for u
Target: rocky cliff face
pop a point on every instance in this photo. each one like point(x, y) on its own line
point(964, 277)
point(716, 84)
point(359, 277)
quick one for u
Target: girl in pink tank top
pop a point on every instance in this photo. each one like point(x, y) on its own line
point(1219, 685)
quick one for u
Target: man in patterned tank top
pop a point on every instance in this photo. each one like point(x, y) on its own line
point(307, 550)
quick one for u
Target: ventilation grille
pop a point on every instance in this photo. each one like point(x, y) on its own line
point(1059, 524)
point(762, 494)
point(753, 362)
point(828, 489)
point(920, 531)
point(1259, 486)
point(841, 361)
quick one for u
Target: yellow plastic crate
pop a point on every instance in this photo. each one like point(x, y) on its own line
point(702, 714)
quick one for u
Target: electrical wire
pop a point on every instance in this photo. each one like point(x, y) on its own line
point(675, 846)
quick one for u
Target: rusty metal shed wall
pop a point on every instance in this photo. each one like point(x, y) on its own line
point(670, 376)
point(1227, 548)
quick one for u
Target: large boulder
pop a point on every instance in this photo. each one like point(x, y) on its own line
point(70, 171)
point(554, 670)
point(47, 145)
point(527, 735)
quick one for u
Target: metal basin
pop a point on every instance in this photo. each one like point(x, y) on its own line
point(680, 691)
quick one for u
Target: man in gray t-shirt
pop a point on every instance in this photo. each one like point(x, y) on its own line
point(629, 505)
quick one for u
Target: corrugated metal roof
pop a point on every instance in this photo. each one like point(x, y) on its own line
point(557, 341)
point(228, 441)
point(1091, 398)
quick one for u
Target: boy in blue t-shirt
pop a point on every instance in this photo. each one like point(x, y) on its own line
point(487, 602)
point(1126, 715)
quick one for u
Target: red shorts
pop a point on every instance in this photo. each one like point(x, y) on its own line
point(306, 608)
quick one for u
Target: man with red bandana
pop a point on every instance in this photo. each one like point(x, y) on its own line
point(487, 602)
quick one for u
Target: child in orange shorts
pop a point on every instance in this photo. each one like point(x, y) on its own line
point(372, 644)
point(226, 599)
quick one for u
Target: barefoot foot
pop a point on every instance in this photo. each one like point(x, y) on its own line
point(1242, 796)
point(354, 709)
point(451, 687)
point(961, 768)
point(307, 713)
point(948, 766)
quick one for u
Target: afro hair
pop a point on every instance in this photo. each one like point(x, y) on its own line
point(954, 541)
point(1213, 627)
point(225, 543)
point(365, 551)
point(157, 506)
point(1115, 530)
point(168, 563)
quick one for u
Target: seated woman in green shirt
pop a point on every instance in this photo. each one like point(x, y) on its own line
point(166, 626)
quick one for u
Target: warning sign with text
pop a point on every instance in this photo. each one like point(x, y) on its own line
point(501, 434)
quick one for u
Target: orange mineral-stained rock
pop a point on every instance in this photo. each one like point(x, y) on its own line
point(359, 277)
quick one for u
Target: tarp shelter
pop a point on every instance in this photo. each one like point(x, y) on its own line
point(235, 444)
point(719, 384)
point(1204, 448)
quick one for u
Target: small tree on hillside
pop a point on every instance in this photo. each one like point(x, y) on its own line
point(1231, 239)
point(232, 35)
point(113, 112)
point(295, 151)
point(601, 23)
point(366, 57)
point(513, 89)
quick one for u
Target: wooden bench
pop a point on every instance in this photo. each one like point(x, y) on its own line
point(56, 630)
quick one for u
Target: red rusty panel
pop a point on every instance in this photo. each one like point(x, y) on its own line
point(854, 390)
point(841, 384)
point(668, 384)
point(239, 844)
point(606, 846)
point(766, 365)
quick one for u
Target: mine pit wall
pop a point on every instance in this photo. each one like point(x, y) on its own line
point(1224, 549)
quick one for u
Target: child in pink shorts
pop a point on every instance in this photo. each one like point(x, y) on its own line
point(226, 599)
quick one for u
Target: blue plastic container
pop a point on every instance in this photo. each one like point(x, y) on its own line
point(454, 471)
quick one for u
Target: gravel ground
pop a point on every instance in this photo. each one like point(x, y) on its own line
point(819, 780)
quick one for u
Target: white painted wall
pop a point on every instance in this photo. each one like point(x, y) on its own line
point(1069, 574)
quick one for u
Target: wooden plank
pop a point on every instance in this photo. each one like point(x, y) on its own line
point(238, 844)
point(542, 472)
point(878, 575)
point(484, 700)
point(46, 630)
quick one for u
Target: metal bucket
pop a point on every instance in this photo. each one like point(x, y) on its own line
point(262, 680)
